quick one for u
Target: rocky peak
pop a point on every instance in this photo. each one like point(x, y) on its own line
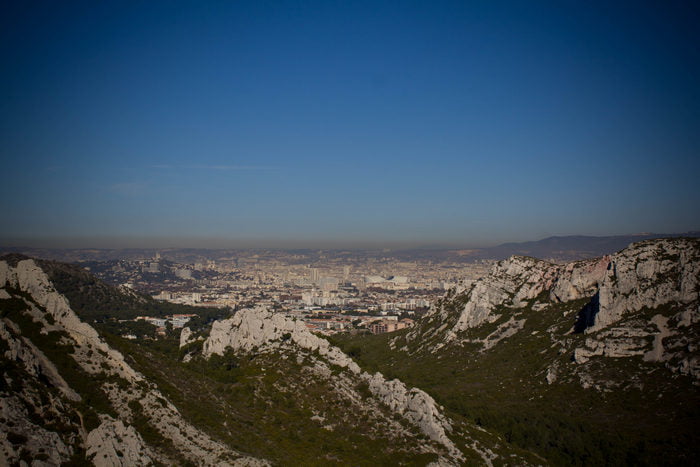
point(517, 281)
point(646, 275)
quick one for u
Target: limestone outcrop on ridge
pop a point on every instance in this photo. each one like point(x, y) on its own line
point(642, 301)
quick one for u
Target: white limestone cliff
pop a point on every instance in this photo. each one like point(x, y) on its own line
point(643, 301)
point(185, 336)
point(661, 276)
point(30, 278)
point(258, 327)
point(34, 361)
point(647, 275)
point(515, 283)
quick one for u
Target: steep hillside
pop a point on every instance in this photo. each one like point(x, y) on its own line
point(593, 361)
point(372, 402)
point(257, 383)
point(67, 396)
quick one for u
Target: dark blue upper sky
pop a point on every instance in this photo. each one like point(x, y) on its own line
point(421, 122)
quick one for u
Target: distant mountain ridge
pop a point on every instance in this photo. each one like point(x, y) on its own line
point(572, 247)
point(557, 248)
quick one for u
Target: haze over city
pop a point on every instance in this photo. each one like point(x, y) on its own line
point(233, 124)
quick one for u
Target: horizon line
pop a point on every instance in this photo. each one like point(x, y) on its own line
point(127, 242)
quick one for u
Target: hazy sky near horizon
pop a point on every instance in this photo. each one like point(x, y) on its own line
point(417, 122)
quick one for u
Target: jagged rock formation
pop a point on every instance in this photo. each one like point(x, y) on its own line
point(67, 395)
point(514, 284)
point(594, 360)
point(258, 327)
point(647, 275)
point(650, 275)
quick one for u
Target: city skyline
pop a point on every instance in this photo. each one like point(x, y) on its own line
point(324, 124)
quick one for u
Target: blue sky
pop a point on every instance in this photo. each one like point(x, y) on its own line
point(462, 123)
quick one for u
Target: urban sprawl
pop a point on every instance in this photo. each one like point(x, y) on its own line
point(330, 291)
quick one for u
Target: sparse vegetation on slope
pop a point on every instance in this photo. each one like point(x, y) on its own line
point(620, 403)
point(274, 406)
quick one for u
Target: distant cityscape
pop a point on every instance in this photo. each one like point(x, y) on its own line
point(329, 291)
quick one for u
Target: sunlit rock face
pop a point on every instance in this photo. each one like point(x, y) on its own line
point(116, 444)
point(259, 327)
point(648, 275)
point(517, 281)
point(648, 304)
point(642, 301)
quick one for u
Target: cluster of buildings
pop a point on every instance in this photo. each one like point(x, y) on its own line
point(389, 325)
point(353, 286)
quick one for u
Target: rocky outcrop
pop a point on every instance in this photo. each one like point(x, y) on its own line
point(579, 279)
point(261, 330)
point(642, 302)
point(516, 282)
point(258, 327)
point(417, 406)
point(34, 361)
point(510, 285)
point(115, 444)
point(185, 336)
point(615, 343)
point(647, 275)
point(21, 438)
point(30, 278)
point(660, 277)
